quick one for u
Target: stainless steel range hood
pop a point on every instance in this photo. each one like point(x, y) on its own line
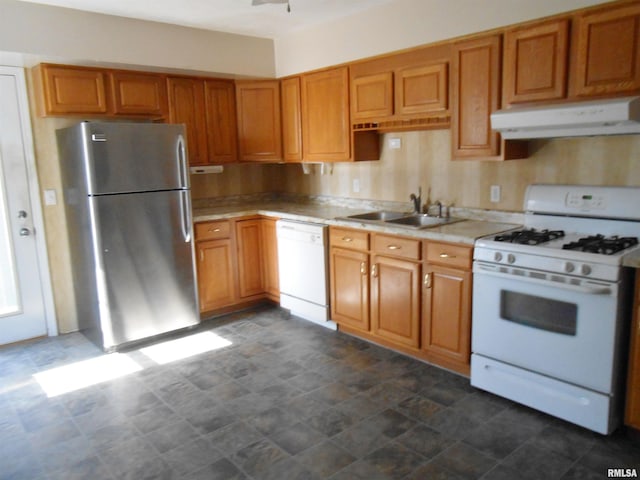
point(616, 116)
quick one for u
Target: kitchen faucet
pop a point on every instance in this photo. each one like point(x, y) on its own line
point(417, 201)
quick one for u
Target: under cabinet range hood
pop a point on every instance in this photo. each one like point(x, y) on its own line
point(616, 116)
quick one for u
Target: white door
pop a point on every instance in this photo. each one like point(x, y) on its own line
point(22, 302)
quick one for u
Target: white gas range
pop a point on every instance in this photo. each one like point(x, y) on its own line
point(551, 303)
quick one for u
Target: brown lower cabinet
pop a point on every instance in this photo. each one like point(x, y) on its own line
point(404, 293)
point(632, 410)
point(235, 261)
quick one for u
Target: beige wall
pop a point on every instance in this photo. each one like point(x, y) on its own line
point(425, 160)
point(72, 36)
point(403, 24)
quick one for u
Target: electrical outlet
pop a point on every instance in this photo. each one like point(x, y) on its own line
point(495, 193)
point(356, 185)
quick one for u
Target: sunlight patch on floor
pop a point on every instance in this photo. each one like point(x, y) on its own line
point(184, 347)
point(78, 375)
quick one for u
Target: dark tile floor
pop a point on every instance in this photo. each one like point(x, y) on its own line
point(286, 400)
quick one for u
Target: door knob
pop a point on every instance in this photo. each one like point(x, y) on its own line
point(25, 232)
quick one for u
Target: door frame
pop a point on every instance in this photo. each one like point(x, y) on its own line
point(34, 197)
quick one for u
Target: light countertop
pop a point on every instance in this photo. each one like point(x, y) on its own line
point(460, 232)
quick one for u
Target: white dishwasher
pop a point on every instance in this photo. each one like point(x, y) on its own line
point(302, 266)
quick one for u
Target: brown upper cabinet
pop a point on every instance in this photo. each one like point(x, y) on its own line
point(475, 95)
point(372, 96)
point(326, 130)
point(259, 121)
point(136, 93)
point(422, 90)
point(220, 113)
point(70, 90)
point(606, 51)
point(535, 62)
point(207, 109)
point(406, 91)
point(291, 119)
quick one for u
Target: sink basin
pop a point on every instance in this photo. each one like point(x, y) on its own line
point(381, 216)
point(423, 221)
point(400, 219)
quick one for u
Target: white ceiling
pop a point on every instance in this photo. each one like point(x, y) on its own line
point(234, 16)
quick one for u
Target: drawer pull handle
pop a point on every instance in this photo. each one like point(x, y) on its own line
point(363, 268)
point(427, 280)
point(374, 270)
point(214, 230)
point(394, 247)
point(202, 255)
point(347, 239)
point(446, 255)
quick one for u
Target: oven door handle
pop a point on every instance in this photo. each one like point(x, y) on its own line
point(588, 290)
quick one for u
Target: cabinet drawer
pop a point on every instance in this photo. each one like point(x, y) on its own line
point(347, 238)
point(212, 230)
point(391, 245)
point(450, 254)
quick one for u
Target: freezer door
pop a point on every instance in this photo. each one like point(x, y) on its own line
point(134, 157)
point(145, 264)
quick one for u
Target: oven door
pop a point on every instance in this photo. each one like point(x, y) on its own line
point(560, 326)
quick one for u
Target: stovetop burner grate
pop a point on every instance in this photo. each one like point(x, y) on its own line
point(601, 244)
point(530, 236)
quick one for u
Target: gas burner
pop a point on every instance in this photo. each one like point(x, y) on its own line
point(529, 236)
point(601, 244)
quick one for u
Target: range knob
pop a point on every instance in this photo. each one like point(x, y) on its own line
point(511, 258)
point(497, 257)
point(585, 269)
point(569, 267)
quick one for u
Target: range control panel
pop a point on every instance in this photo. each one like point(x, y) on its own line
point(585, 201)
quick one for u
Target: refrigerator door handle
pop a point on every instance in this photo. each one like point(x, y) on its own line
point(185, 214)
point(182, 162)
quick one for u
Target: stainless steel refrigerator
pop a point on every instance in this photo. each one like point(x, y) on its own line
point(128, 208)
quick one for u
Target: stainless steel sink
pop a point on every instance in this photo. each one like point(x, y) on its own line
point(401, 219)
point(423, 221)
point(381, 216)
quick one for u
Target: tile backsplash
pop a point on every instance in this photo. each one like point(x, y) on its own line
point(424, 159)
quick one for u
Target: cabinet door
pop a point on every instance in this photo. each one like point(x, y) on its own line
point(270, 257)
point(446, 313)
point(395, 300)
point(220, 101)
point(216, 279)
point(535, 63)
point(73, 90)
point(422, 89)
point(632, 409)
point(291, 120)
point(607, 52)
point(349, 271)
point(139, 93)
point(259, 123)
point(250, 267)
point(186, 105)
point(326, 129)
point(372, 96)
point(476, 93)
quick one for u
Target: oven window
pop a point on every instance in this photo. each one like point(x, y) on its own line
point(539, 312)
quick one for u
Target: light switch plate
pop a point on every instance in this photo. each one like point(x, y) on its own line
point(495, 193)
point(50, 197)
point(395, 143)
